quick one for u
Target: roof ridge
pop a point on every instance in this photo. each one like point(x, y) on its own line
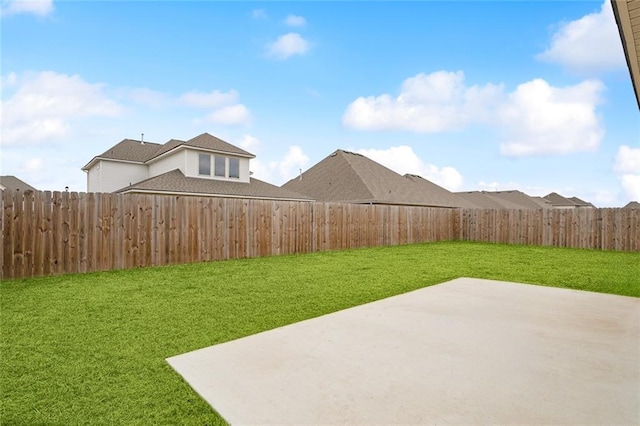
point(356, 172)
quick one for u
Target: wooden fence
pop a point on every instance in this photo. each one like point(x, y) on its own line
point(45, 233)
point(48, 233)
point(605, 229)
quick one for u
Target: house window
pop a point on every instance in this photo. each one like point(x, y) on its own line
point(220, 169)
point(204, 164)
point(234, 168)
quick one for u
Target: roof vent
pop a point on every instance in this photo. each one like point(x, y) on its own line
point(142, 138)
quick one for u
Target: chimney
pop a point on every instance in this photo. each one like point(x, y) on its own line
point(142, 138)
point(300, 174)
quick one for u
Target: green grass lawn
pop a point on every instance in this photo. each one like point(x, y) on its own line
point(91, 349)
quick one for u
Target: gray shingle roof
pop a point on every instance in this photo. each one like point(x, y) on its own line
point(544, 203)
point(176, 182)
point(632, 205)
point(517, 198)
point(437, 195)
point(558, 200)
point(12, 183)
point(482, 201)
point(173, 143)
point(207, 141)
point(580, 203)
point(136, 151)
point(203, 141)
point(131, 150)
point(353, 178)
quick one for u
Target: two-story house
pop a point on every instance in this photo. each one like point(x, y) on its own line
point(204, 165)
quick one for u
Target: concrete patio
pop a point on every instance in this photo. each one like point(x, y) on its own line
point(468, 351)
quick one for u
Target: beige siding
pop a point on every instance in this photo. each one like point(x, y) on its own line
point(117, 175)
point(171, 162)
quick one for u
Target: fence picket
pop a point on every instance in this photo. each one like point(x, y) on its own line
point(46, 233)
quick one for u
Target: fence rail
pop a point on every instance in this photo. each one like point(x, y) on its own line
point(51, 233)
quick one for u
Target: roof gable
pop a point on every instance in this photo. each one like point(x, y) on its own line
point(517, 198)
point(12, 183)
point(350, 177)
point(558, 200)
point(332, 179)
point(127, 150)
point(173, 143)
point(581, 203)
point(437, 195)
point(209, 142)
point(130, 150)
point(481, 200)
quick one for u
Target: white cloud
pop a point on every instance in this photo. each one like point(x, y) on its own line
point(587, 45)
point(631, 186)
point(295, 21)
point(627, 165)
point(44, 103)
point(281, 170)
point(601, 198)
point(230, 115)
point(32, 165)
point(8, 81)
point(259, 14)
point(402, 159)
point(427, 103)
point(36, 7)
point(294, 160)
point(148, 97)
point(541, 119)
point(536, 118)
point(249, 143)
point(627, 160)
point(226, 110)
point(212, 99)
point(288, 45)
point(498, 186)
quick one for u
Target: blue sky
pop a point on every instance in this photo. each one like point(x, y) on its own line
point(534, 96)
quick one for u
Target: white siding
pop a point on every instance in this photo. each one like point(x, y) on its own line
point(192, 163)
point(244, 170)
point(94, 178)
point(192, 166)
point(171, 162)
point(116, 175)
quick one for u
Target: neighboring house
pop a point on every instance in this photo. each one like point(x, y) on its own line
point(632, 205)
point(12, 183)
point(581, 203)
point(512, 199)
point(481, 201)
point(437, 194)
point(560, 202)
point(521, 199)
point(542, 202)
point(204, 165)
point(348, 177)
